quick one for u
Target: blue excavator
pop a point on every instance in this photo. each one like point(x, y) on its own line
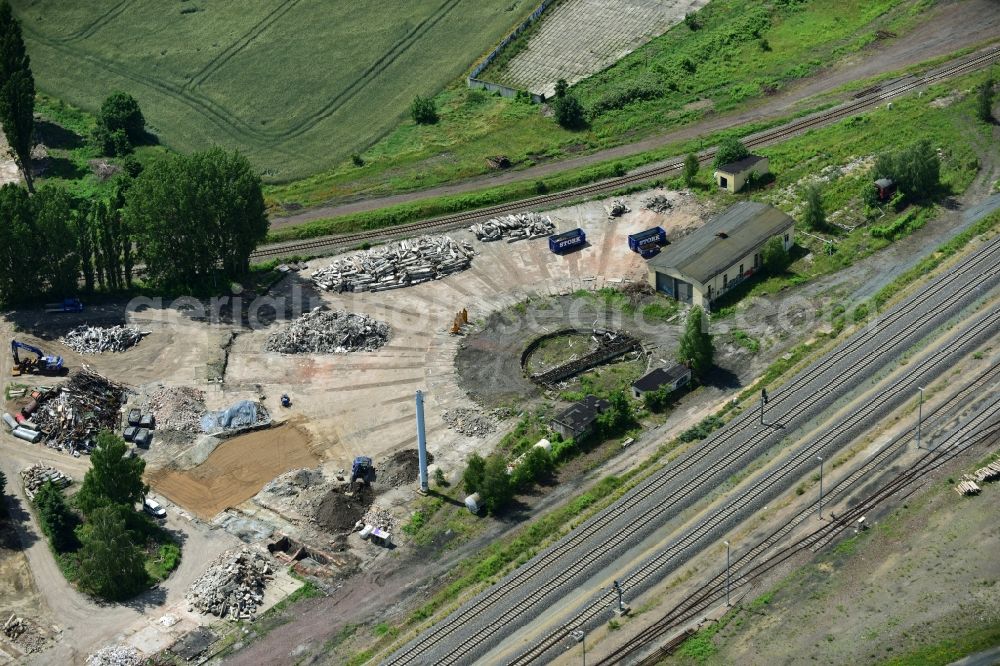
point(40, 365)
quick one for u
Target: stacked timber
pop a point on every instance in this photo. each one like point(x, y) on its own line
point(989, 473)
point(967, 487)
point(396, 265)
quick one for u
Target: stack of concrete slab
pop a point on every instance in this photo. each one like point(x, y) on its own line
point(396, 265)
point(233, 586)
point(658, 203)
point(98, 339)
point(326, 332)
point(618, 208)
point(514, 227)
point(37, 475)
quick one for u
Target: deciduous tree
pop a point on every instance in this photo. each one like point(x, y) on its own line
point(690, 169)
point(984, 101)
point(814, 216)
point(475, 470)
point(696, 347)
point(423, 111)
point(53, 215)
point(774, 256)
point(730, 149)
point(496, 489)
point(120, 112)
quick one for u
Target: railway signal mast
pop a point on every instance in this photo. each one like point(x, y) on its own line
point(820, 459)
point(920, 413)
point(763, 401)
point(727, 575)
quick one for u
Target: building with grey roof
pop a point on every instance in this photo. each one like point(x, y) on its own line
point(726, 250)
point(734, 176)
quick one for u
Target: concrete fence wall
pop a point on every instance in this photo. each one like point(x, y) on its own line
point(475, 82)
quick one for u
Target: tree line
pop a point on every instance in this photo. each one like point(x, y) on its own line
point(184, 218)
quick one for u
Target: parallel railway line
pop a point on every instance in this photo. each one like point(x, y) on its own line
point(979, 270)
point(447, 222)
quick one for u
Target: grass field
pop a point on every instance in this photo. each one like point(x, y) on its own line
point(298, 85)
point(731, 68)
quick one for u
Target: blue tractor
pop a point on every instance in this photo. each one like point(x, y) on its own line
point(41, 365)
point(363, 470)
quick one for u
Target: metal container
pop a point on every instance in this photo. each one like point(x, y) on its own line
point(27, 435)
point(9, 420)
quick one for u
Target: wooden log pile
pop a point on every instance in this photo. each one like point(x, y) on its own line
point(967, 487)
point(519, 226)
point(989, 473)
point(34, 476)
point(396, 265)
point(326, 332)
point(233, 586)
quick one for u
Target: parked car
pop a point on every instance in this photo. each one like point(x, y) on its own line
point(154, 508)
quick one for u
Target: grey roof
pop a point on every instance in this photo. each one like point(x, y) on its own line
point(702, 254)
point(580, 415)
point(658, 377)
point(741, 165)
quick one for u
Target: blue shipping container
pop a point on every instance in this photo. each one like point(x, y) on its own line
point(644, 241)
point(567, 240)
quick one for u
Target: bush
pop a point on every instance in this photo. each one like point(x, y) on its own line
point(496, 488)
point(916, 170)
point(423, 110)
point(569, 112)
point(814, 217)
point(475, 472)
point(775, 256)
point(110, 143)
point(357, 160)
point(708, 425)
point(439, 478)
point(638, 92)
point(696, 347)
point(730, 149)
point(56, 519)
point(690, 169)
point(121, 112)
point(691, 21)
point(984, 101)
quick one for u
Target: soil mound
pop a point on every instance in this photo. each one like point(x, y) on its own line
point(339, 511)
point(401, 468)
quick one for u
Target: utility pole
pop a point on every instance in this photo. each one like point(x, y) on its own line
point(920, 413)
point(820, 459)
point(727, 575)
point(763, 401)
point(581, 637)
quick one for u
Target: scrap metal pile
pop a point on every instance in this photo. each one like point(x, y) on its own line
point(177, 407)
point(326, 332)
point(98, 340)
point(24, 633)
point(82, 407)
point(116, 655)
point(233, 586)
point(618, 208)
point(659, 203)
point(398, 264)
point(514, 227)
point(34, 476)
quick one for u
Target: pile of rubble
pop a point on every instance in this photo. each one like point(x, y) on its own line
point(24, 633)
point(618, 208)
point(326, 332)
point(177, 407)
point(98, 340)
point(233, 585)
point(34, 477)
point(293, 482)
point(378, 517)
point(659, 203)
point(514, 227)
point(116, 655)
point(396, 265)
point(472, 422)
point(82, 407)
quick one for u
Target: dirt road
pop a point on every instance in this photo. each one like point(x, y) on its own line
point(948, 27)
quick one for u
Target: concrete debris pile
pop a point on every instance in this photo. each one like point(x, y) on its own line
point(34, 477)
point(24, 633)
point(177, 407)
point(514, 227)
point(659, 203)
point(243, 415)
point(378, 517)
point(82, 407)
point(98, 340)
point(116, 655)
point(396, 265)
point(618, 208)
point(473, 422)
point(326, 332)
point(233, 586)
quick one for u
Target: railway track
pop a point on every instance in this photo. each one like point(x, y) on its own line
point(744, 569)
point(653, 569)
point(646, 501)
point(642, 175)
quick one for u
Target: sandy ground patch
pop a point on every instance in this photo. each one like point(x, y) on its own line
point(236, 470)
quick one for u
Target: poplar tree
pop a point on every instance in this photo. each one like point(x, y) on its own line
point(17, 92)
